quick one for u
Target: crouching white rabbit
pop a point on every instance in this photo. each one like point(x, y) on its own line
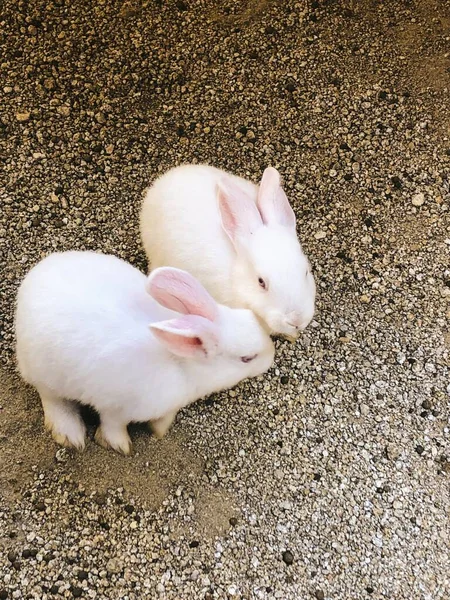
point(238, 239)
point(92, 328)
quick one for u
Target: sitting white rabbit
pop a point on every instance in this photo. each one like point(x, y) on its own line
point(92, 328)
point(239, 240)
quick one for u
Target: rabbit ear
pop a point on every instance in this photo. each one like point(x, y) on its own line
point(272, 201)
point(179, 291)
point(189, 336)
point(240, 215)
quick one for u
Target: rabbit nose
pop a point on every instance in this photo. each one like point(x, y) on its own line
point(296, 321)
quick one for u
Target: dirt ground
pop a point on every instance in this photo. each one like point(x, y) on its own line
point(25, 445)
point(401, 49)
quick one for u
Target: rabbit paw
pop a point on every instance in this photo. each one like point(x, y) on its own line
point(161, 426)
point(70, 434)
point(63, 421)
point(115, 438)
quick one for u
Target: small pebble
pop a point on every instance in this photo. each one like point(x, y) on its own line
point(64, 110)
point(364, 409)
point(22, 117)
point(418, 199)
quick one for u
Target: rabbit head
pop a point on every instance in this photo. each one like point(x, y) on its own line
point(272, 276)
point(225, 344)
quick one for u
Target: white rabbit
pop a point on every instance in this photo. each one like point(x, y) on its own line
point(239, 240)
point(92, 328)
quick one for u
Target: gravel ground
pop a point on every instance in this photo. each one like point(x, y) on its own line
point(329, 477)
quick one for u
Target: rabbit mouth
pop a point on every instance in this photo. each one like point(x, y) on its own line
point(291, 338)
point(290, 331)
point(286, 336)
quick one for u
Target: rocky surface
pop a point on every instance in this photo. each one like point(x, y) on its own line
point(329, 477)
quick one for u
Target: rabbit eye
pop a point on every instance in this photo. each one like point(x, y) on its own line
point(247, 359)
point(262, 283)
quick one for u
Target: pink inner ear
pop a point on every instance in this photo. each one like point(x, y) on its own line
point(272, 201)
point(180, 345)
point(179, 291)
point(239, 213)
point(229, 219)
point(169, 300)
point(187, 336)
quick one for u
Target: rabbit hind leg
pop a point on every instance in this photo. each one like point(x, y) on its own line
point(112, 433)
point(63, 420)
point(161, 426)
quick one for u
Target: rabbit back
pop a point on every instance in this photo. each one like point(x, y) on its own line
point(181, 227)
point(82, 331)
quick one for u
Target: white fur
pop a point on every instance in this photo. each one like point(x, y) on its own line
point(184, 224)
point(88, 330)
